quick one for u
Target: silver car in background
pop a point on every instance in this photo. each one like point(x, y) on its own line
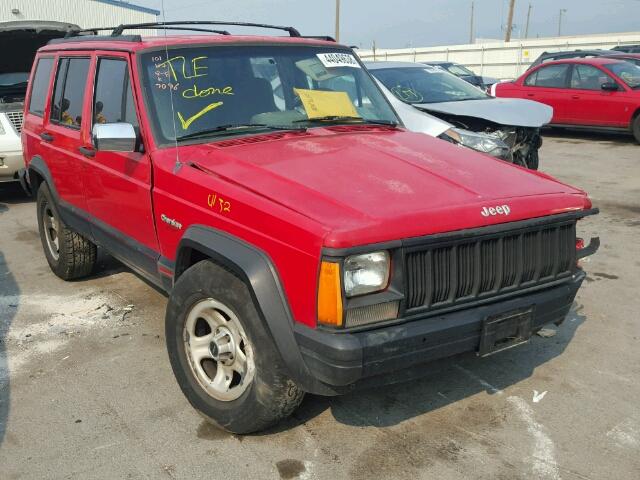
point(505, 128)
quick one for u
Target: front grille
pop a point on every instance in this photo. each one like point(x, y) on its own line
point(16, 120)
point(452, 272)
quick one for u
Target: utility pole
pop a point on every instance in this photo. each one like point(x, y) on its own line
point(526, 29)
point(562, 10)
point(337, 20)
point(507, 35)
point(471, 23)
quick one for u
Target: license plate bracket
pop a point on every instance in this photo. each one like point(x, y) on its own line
point(506, 330)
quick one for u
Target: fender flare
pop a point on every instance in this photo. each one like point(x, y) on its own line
point(256, 269)
point(38, 165)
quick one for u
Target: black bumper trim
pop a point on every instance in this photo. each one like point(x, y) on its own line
point(342, 359)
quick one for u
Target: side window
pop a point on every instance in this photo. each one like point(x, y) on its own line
point(586, 77)
point(71, 82)
point(113, 101)
point(552, 76)
point(40, 86)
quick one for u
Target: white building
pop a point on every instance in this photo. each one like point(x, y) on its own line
point(85, 13)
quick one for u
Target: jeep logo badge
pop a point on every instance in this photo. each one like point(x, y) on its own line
point(497, 210)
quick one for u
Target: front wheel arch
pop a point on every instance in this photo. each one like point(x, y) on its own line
point(255, 268)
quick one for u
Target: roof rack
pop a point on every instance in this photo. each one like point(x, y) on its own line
point(95, 38)
point(320, 37)
point(94, 31)
point(117, 31)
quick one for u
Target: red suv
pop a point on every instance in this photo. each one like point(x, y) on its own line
point(600, 92)
point(308, 243)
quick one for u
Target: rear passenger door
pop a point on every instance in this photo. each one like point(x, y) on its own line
point(548, 84)
point(118, 184)
point(61, 136)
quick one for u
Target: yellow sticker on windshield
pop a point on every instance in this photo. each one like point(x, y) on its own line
point(319, 104)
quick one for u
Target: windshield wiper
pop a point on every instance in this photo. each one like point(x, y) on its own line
point(236, 128)
point(345, 118)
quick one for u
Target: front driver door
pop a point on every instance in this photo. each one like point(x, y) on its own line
point(591, 105)
point(118, 184)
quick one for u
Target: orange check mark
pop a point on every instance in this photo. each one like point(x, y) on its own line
point(186, 123)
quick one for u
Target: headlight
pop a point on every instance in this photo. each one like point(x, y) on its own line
point(478, 141)
point(2, 131)
point(366, 273)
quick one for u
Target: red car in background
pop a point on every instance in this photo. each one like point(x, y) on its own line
point(601, 93)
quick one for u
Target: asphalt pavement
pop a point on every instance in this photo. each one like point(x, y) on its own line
point(86, 390)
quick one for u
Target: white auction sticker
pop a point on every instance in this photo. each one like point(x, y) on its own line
point(331, 60)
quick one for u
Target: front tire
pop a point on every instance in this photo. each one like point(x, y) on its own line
point(69, 254)
point(223, 357)
point(533, 159)
point(635, 128)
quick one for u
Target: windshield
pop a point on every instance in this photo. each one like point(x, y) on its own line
point(215, 88)
point(459, 70)
point(11, 79)
point(627, 72)
point(427, 85)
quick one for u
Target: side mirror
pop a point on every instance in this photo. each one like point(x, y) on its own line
point(114, 137)
point(610, 87)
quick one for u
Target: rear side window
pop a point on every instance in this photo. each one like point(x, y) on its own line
point(553, 76)
point(71, 81)
point(113, 101)
point(40, 86)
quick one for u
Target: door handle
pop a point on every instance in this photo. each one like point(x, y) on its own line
point(531, 94)
point(47, 137)
point(87, 151)
point(575, 97)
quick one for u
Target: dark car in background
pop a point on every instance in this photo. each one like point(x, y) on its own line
point(627, 48)
point(627, 57)
point(564, 55)
point(464, 73)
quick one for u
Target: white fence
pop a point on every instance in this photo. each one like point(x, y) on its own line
point(500, 59)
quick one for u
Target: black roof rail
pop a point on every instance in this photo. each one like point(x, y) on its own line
point(95, 38)
point(320, 37)
point(94, 31)
point(117, 31)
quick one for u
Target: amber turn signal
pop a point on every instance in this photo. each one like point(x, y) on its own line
point(330, 295)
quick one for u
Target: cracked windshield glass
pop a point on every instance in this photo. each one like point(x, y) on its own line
point(225, 90)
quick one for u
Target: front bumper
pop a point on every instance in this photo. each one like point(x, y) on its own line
point(342, 360)
point(10, 163)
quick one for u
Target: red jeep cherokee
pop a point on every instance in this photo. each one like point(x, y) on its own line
point(308, 243)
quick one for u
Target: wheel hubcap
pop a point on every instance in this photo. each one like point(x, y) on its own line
point(219, 353)
point(51, 229)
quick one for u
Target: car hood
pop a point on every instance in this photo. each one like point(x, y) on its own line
point(372, 184)
point(23, 38)
point(504, 111)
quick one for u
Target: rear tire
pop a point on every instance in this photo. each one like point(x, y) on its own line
point(635, 127)
point(69, 254)
point(223, 357)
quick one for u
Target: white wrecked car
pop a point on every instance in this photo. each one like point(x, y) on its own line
point(506, 128)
